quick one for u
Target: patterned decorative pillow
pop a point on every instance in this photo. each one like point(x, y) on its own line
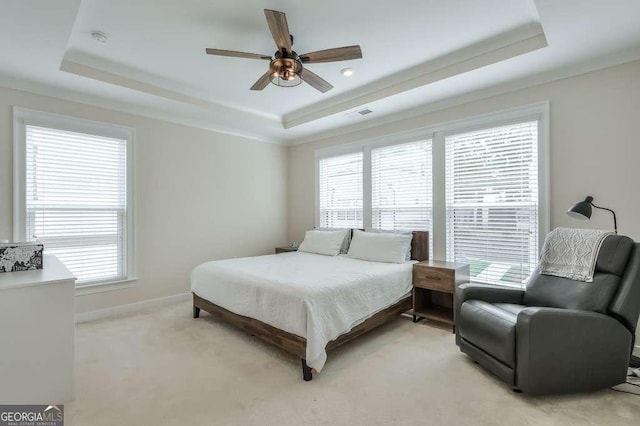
point(20, 256)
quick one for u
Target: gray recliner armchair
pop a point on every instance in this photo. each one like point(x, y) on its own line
point(557, 335)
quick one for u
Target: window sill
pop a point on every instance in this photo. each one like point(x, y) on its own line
point(103, 287)
point(500, 284)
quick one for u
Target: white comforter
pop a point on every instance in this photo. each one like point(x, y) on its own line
point(313, 296)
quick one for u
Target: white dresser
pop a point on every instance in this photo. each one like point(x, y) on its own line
point(37, 321)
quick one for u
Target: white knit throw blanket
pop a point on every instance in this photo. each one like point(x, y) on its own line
point(572, 253)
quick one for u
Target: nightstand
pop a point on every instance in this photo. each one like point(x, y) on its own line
point(434, 286)
point(286, 249)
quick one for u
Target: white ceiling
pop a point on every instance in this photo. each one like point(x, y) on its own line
point(416, 53)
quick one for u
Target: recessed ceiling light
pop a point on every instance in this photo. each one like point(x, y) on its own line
point(347, 72)
point(99, 36)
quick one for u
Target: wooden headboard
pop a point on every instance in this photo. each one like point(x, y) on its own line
point(419, 245)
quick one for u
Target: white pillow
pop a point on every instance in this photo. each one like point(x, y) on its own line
point(347, 238)
point(323, 242)
point(379, 247)
point(392, 231)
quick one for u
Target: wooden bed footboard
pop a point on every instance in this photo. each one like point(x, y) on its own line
point(291, 343)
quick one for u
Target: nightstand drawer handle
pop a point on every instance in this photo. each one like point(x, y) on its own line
point(433, 277)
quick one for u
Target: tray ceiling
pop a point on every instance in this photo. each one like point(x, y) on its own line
point(415, 52)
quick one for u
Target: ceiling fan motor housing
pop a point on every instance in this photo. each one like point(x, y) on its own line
point(285, 70)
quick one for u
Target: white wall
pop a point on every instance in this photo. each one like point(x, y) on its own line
point(199, 196)
point(594, 143)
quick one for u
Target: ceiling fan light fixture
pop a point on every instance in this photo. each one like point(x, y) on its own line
point(285, 66)
point(347, 72)
point(285, 72)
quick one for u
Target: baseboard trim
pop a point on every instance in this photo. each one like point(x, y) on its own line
point(131, 307)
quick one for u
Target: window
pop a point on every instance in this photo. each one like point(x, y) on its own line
point(74, 196)
point(340, 191)
point(492, 202)
point(479, 186)
point(401, 186)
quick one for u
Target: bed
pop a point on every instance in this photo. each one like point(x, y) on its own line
point(304, 303)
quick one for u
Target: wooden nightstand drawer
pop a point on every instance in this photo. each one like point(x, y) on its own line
point(436, 279)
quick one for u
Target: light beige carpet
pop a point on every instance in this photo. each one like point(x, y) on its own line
point(162, 367)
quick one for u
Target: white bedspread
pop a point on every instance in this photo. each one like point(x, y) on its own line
point(313, 296)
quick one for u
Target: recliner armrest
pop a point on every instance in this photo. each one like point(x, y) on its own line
point(542, 314)
point(486, 293)
point(560, 350)
point(489, 293)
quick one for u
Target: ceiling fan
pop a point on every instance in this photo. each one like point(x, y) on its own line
point(286, 67)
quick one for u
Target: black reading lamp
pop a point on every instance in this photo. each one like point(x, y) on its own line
point(582, 211)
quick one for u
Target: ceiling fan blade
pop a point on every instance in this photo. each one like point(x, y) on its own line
point(332, 55)
point(315, 81)
point(234, 54)
point(262, 82)
point(277, 22)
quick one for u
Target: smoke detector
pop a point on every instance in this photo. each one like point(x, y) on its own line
point(99, 36)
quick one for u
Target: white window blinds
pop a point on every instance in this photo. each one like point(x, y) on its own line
point(401, 186)
point(492, 202)
point(340, 191)
point(76, 201)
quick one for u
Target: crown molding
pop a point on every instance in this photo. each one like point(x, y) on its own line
point(101, 69)
point(182, 118)
point(495, 49)
point(41, 89)
point(351, 131)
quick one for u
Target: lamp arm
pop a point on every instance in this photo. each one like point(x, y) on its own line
point(615, 222)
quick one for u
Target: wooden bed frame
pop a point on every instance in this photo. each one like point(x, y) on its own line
point(297, 345)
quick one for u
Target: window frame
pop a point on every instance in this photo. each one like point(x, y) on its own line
point(372, 148)
point(318, 202)
point(539, 112)
point(438, 133)
point(26, 117)
point(540, 235)
point(336, 152)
